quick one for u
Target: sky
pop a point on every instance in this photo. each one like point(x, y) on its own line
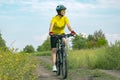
point(26, 22)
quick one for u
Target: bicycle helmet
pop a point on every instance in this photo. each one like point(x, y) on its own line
point(60, 7)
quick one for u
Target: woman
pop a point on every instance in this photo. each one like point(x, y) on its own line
point(57, 26)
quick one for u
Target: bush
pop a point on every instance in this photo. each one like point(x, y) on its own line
point(87, 58)
point(79, 42)
point(29, 49)
point(17, 66)
point(113, 56)
point(107, 57)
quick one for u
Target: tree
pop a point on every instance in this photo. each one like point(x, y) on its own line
point(90, 37)
point(97, 39)
point(91, 41)
point(100, 39)
point(2, 43)
point(29, 49)
point(79, 42)
point(101, 42)
point(45, 46)
point(98, 34)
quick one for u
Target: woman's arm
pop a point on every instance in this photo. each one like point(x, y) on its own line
point(51, 27)
point(69, 27)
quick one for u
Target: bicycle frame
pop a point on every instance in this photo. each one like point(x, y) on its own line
point(61, 56)
point(60, 47)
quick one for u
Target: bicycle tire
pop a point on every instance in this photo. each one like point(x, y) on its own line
point(58, 63)
point(64, 65)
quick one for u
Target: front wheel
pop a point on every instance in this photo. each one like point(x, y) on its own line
point(58, 63)
point(64, 65)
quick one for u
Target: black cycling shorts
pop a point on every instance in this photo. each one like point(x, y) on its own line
point(53, 41)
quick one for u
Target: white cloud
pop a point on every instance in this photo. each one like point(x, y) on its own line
point(8, 1)
point(115, 36)
point(48, 6)
point(109, 3)
point(36, 5)
point(72, 4)
point(73, 7)
point(112, 37)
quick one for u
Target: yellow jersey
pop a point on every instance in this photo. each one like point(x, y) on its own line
point(59, 24)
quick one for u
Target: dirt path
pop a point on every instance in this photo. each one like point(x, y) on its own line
point(43, 73)
point(112, 73)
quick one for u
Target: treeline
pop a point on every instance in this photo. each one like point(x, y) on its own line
point(79, 41)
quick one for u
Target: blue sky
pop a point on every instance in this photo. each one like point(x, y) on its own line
point(26, 22)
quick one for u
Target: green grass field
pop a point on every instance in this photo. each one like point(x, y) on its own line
point(90, 62)
point(85, 58)
point(101, 58)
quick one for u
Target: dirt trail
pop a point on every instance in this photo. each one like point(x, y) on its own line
point(112, 73)
point(43, 73)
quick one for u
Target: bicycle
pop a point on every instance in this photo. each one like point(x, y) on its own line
point(61, 56)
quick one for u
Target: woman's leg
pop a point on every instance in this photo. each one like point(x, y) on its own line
point(64, 40)
point(53, 56)
point(54, 59)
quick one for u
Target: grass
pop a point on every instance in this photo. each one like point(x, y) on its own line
point(85, 58)
point(83, 65)
point(17, 66)
point(87, 62)
point(82, 73)
point(46, 65)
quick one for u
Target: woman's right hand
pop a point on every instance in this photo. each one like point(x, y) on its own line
point(51, 33)
point(73, 32)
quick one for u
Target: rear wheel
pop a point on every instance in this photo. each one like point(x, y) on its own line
point(58, 63)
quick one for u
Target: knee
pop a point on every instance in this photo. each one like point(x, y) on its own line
point(54, 50)
point(64, 40)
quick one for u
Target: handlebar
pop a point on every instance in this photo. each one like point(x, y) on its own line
point(63, 35)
